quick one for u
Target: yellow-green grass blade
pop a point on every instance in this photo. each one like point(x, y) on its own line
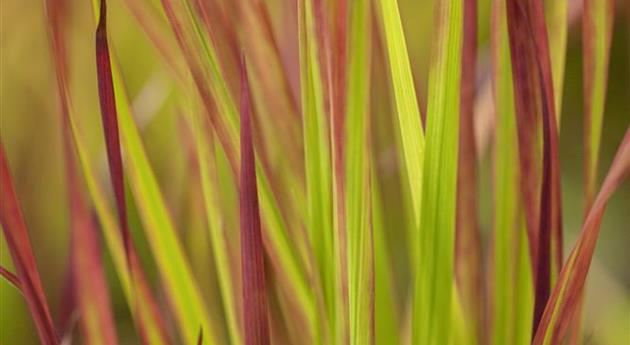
point(557, 26)
point(357, 181)
point(596, 37)
point(434, 279)
point(508, 316)
point(181, 289)
point(408, 112)
point(275, 234)
point(216, 227)
point(317, 159)
point(135, 295)
point(386, 318)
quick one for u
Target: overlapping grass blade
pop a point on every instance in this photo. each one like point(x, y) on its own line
point(225, 123)
point(565, 296)
point(408, 112)
point(215, 219)
point(434, 279)
point(317, 160)
point(386, 319)
point(181, 289)
point(86, 267)
point(16, 235)
point(255, 310)
point(468, 267)
point(359, 227)
point(557, 15)
point(511, 303)
point(137, 293)
point(11, 278)
point(532, 73)
point(596, 37)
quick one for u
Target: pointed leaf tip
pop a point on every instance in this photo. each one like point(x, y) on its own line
point(109, 117)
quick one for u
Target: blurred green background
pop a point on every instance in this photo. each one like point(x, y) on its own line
point(29, 119)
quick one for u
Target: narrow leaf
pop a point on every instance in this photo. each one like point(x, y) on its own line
point(19, 244)
point(255, 310)
point(11, 278)
point(410, 122)
point(434, 279)
point(181, 289)
point(511, 296)
point(110, 122)
point(468, 239)
point(360, 254)
point(566, 293)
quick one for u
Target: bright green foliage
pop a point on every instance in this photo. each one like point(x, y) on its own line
point(317, 157)
point(358, 221)
point(511, 321)
point(407, 109)
point(434, 278)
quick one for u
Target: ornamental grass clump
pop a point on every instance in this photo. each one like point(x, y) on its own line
point(316, 172)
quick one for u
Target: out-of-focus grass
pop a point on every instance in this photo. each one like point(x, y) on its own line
point(29, 130)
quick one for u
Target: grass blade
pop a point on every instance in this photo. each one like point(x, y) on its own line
point(410, 122)
point(138, 296)
point(11, 278)
point(596, 37)
point(215, 218)
point(86, 267)
point(317, 159)
point(359, 226)
point(19, 244)
point(511, 303)
point(532, 67)
point(110, 121)
point(181, 289)
point(467, 238)
point(434, 281)
point(557, 15)
point(565, 296)
point(255, 311)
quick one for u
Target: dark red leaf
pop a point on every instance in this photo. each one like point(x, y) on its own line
point(19, 244)
point(533, 89)
point(255, 310)
point(468, 239)
point(110, 122)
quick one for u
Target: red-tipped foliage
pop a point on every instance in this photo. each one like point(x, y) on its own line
point(566, 294)
point(533, 88)
point(21, 252)
point(110, 122)
point(255, 311)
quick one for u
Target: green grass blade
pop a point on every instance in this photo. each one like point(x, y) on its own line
point(386, 318)
point(358, 223)
point(508, 317)
point(137, 295)
point(181, 289)
point(557, 15)
point(214, 217)
point(410, 122)
point(596, 38)
point(434, 281)
point(317, 158)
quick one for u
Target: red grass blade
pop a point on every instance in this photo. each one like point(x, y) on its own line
point(11, 278)
point(255, 311)
point(110, 122)
point(17, 238)
point(565, 296)
point(533, 86)
point(468, 239)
